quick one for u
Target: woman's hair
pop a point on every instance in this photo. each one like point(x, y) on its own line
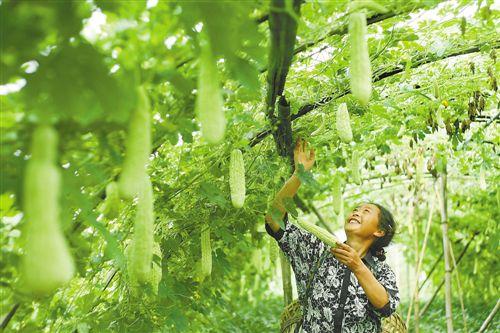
point(388, 225)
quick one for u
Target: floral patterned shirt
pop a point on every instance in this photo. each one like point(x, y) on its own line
point(303, 250)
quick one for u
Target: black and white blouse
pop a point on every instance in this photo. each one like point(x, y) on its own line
point(303, 250)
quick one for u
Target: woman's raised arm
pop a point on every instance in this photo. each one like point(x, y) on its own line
point(291, 186)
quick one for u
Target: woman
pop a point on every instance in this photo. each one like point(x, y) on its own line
point(371, 291)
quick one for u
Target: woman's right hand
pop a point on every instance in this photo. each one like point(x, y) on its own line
point(302, 156)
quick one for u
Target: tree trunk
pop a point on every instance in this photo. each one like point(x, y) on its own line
point(446, 251)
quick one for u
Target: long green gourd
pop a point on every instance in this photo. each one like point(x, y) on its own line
point(319, 232)
point(419, 168)
point(156, 271)
point(209, 103)
point(47, 263)
point(112, 204)
point(343, 123)
point(355, 167)
point(138, 148)
point(340, 214)
point(155, 275)
point(368, 4)
point(337, 194)
point(206, 253)
point(141, 247)
point(360, 67)
point(320, 127)
point(237, 178)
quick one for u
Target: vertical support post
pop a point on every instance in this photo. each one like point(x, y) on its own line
point(490, 317)
point(286, 277)
point(414, 298)
point(417, 257)
point(446, 249)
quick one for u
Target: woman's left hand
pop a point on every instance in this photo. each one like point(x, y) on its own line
point(348, 256)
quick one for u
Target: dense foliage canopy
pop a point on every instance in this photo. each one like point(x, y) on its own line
point(77, 65)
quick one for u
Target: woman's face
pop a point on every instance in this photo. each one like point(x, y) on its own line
point(363, 222)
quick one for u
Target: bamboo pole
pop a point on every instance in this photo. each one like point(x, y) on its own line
point(459, 287)
point(442, 282)
point(490, 317)
point(419, 265)
point(433, 268)
point(286, 277)
point(447, 267)
point(416, 317)
point(413, 220)
point(441, 257)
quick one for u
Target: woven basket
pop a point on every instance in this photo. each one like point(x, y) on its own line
point(393, 324)
point(292, 315)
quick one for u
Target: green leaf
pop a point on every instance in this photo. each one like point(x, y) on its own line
point(213, 194)
point(276, 216)
point(244, 72)
point(307, 178)
point(290, 206)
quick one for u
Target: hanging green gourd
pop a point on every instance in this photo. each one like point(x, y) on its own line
point(112, 204)
point(156, 270)
point(141, 247)
point(368, 4)
point(237, 178)
point(320, 127)
point(206, 253)
point(337, 193)
point(435, 90)
point(343, 123)
point(340, 214)
point(138, 148)
point(257, 261)
point(439, 116)
point(463, 25)
point(273, 250)
point(482, 179)
point(47, 263)
point(359, 66)
point(419, 168)
point(209, 103)
point(355, 167)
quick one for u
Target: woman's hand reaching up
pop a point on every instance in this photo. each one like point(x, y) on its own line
point(301, 155)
